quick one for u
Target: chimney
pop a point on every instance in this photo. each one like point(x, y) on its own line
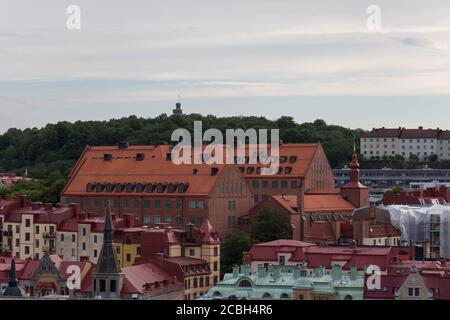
point(23, 200)
point(75, 209)
point(123, 145)
point(297, 272)
point(235, 271)
point(420, 128)
point(129, 221)
point(336, 272)
point(48, 206)
point(353, 272)
point(261, 271)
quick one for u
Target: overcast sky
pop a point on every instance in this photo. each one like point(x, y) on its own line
point(307, 59)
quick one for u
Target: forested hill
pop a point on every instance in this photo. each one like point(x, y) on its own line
point(56, 147)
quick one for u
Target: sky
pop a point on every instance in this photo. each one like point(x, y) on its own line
point(305, 59)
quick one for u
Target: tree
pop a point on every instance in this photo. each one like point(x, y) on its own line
point(234, 244)
point(271, 225)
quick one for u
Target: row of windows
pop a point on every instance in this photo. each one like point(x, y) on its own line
point(178, 220)
point(402, 140)
point(137, 203)
point(256, 184)
point(231, 187)
point(37, 229)
point(403, 147)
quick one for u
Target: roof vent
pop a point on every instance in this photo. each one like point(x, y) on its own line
point(107, 157)
point(140, 156)
point(123, 145)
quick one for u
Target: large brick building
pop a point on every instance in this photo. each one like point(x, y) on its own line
point(144, 181)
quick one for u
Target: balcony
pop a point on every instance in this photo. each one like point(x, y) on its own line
point(49, 250)
point(50, 235)
point(7, 233)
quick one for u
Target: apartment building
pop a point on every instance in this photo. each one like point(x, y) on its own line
point(29, 229)
point(407, 143)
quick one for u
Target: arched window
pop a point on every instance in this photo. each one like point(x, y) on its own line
point(348, 297)
point(267, 296)
point(284, 296)
point(217, 294)
point(245, 284)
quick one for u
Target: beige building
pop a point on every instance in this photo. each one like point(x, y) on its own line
point(29, 230)
point(420, 142)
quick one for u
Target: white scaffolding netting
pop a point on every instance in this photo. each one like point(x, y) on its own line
point(423, 223)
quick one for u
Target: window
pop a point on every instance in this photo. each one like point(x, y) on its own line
point(413, 292)
point(216, 252)
point(95, 253)
point(264, 184)
point(102, 285)
point(73, 252)
point(27, 223)
point(27, 236)
point(157, 219)
point(157, 204)
point(37, 230)
point(73, 238)
point(17, 243)
point(168, 219)
point(192, 252)
point(126, 203)
point(215, 266)
point(284, 184)
point(84, 232)
point(37, 243)
point(179, 203)
point(136, 203)
point(178, 221)
point(167, 204)
point(95, 238)
point(83, 246)
point(146, 220)
point(62, 237)
point(118, 250)
point(27, 250)
point(128, 257)
point(17, 229)
point(255, 184)
point(146, 203)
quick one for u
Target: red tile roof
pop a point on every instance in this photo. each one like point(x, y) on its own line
point(317, 256)
point(138, 279)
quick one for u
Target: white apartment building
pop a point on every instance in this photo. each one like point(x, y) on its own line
point(420, 142)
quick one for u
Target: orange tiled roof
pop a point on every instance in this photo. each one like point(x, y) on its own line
point(327, 203)
point(124, 168)
point(316, 203)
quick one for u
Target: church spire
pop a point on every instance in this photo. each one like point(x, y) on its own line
point(107, 260)
point(12, 290)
